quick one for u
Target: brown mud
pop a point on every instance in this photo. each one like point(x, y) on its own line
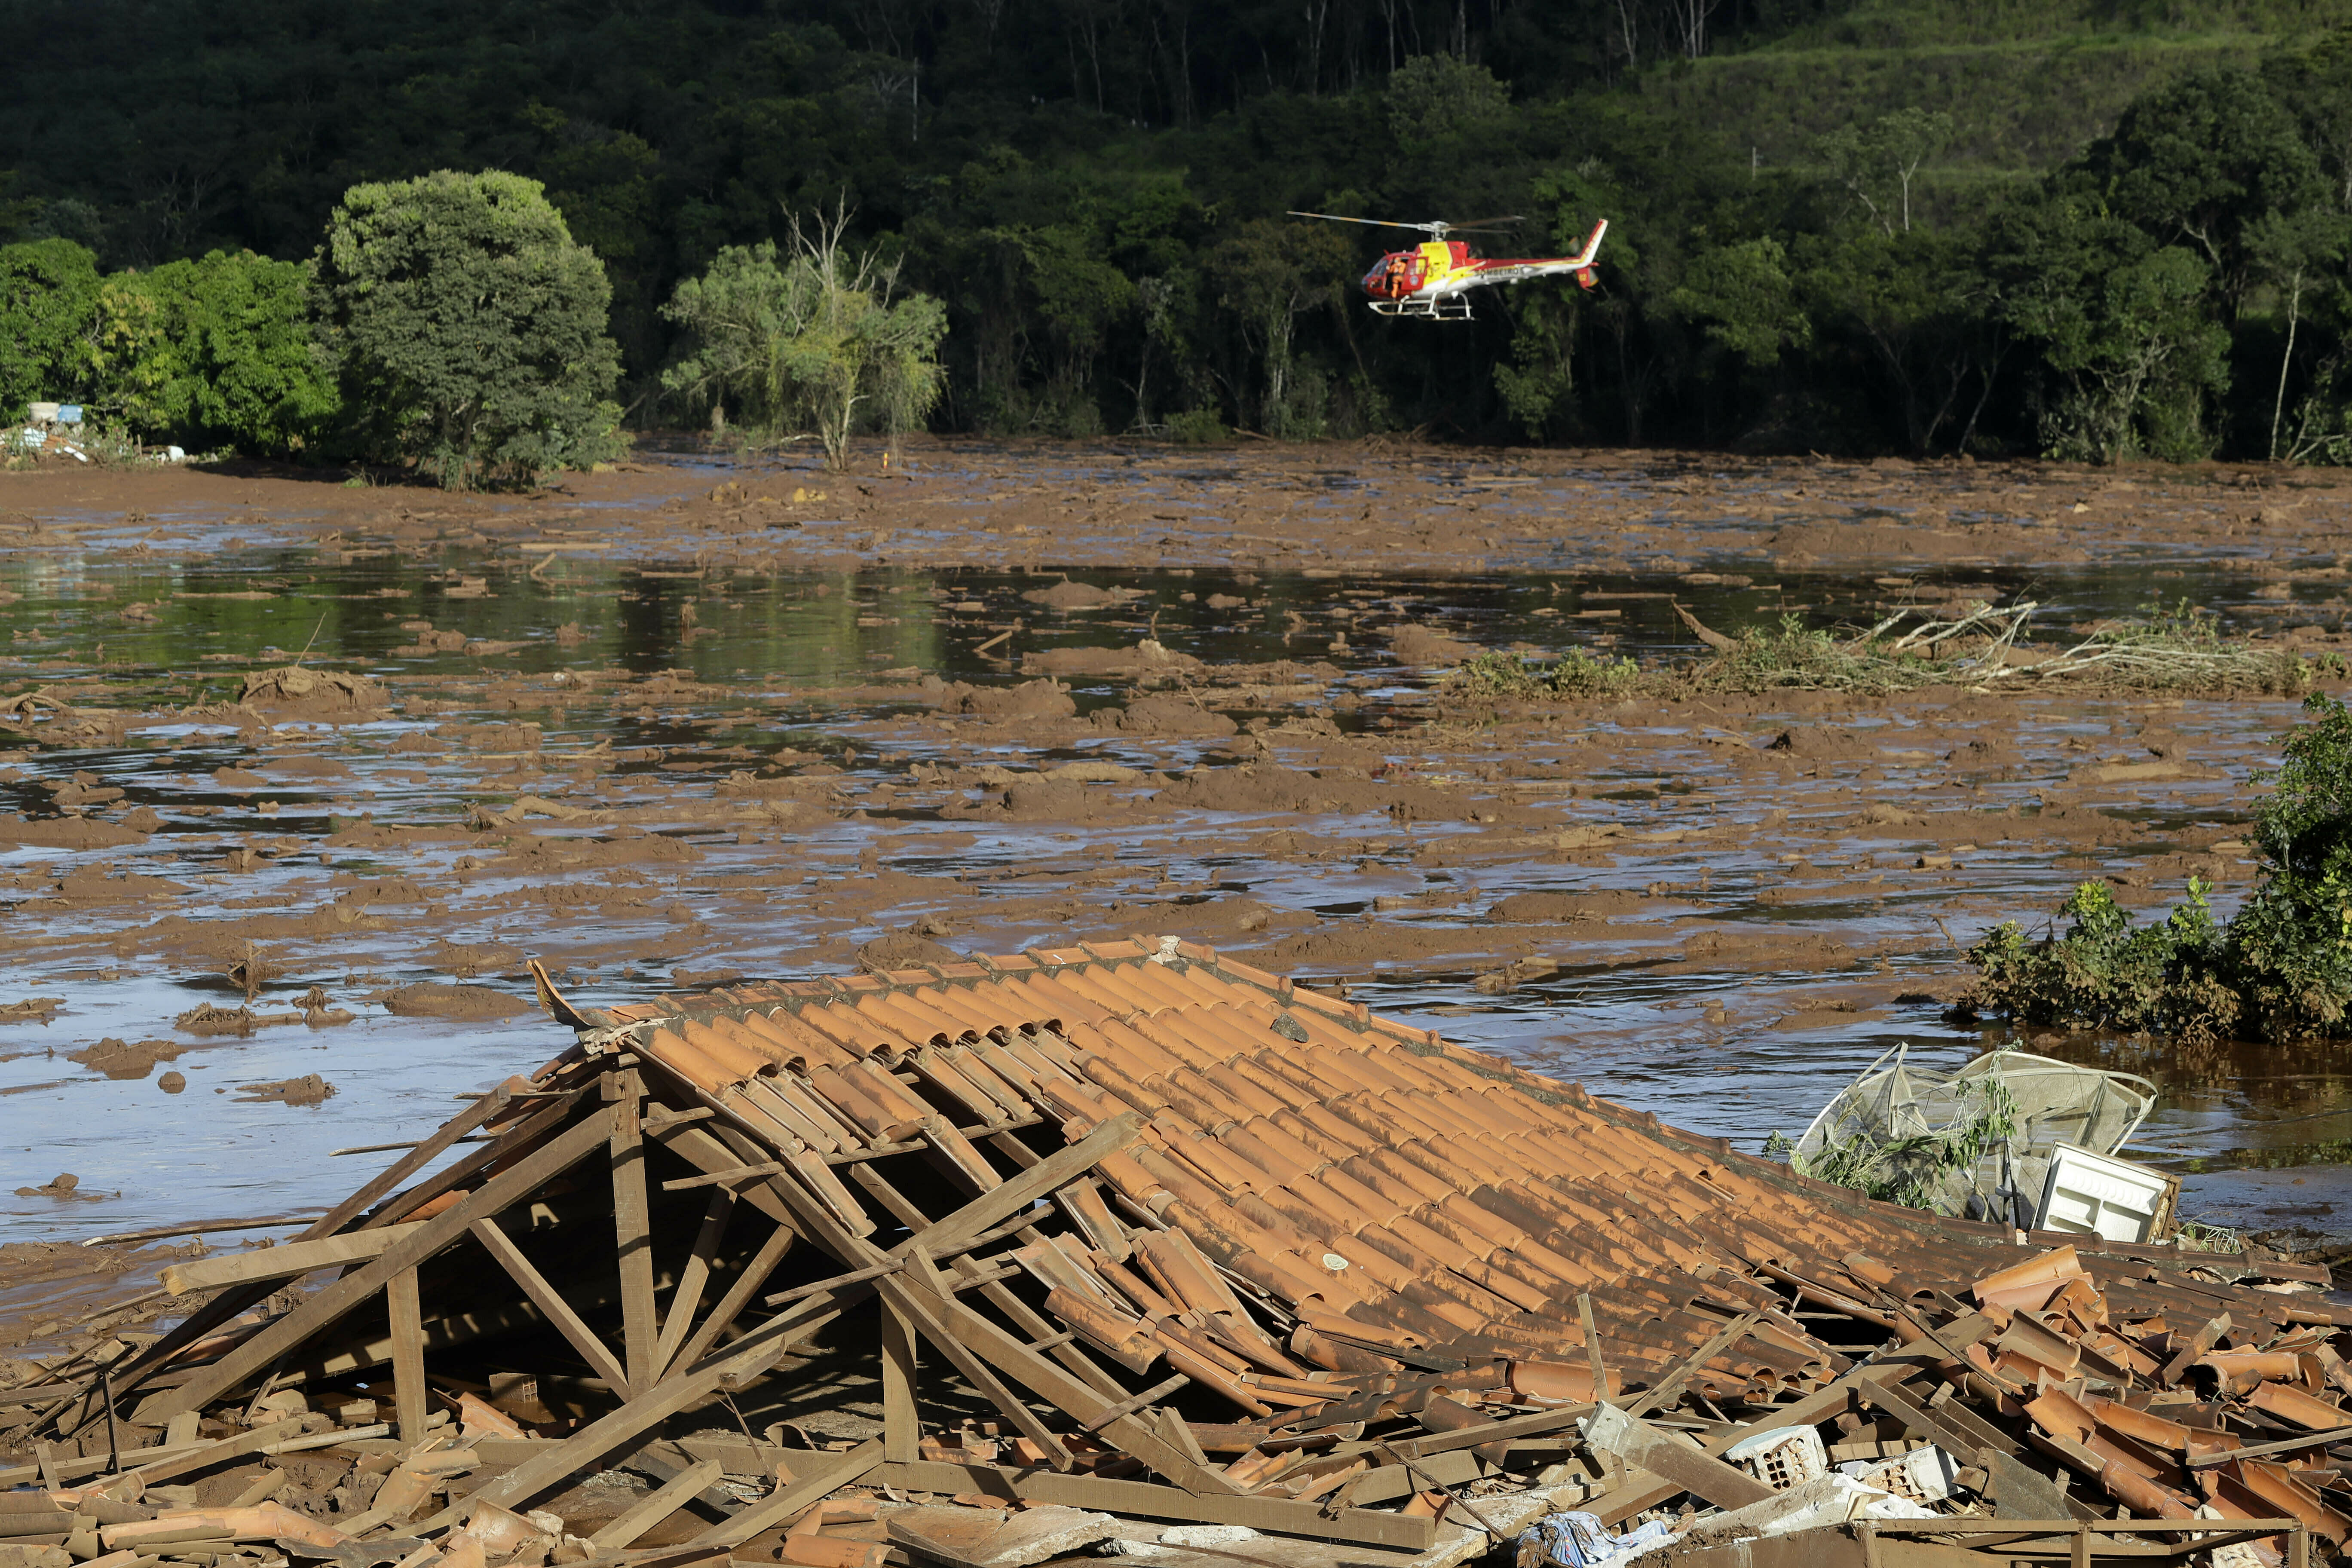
point(294, 776)
point(1040, 507)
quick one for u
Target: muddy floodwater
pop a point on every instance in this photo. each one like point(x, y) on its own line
point(701, 718)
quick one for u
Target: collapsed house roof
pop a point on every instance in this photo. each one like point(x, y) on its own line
point(1310, 1270)
point(1392, 1192)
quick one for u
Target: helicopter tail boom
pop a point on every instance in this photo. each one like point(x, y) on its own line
point(1591, 245)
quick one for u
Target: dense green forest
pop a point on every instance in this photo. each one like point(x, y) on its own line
point(2095, 228)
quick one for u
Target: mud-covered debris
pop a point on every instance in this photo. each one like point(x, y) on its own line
point(1067, 595)
point(484, 819)
point(1045, 698)
point(466, 960)
point(62, 1186)
point(121, 1059)
point(211, 1019)
point(1164, 716)
point(428, 641)
point(251, 969)
point(85, 788)
point(1148, 658)
point(317, 691)
point(28, 706)
point(1092, 772)
point(426, 999)
point(32, 1009)
point(1705, 633)
point(1510, 976)
point(308, 1090)
point(903, 950)
point(1424, 645)
point(319, 1012)
point(67, 833)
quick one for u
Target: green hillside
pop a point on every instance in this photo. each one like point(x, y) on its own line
point(2024, 106)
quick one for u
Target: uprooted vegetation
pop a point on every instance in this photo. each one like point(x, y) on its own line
point(2167, 649)
point(1575, 673)
point(2281, 969)
point(1913, 1169)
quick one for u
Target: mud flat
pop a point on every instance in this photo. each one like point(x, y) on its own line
point(698, 720)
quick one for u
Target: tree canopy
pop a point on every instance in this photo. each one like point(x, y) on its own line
point(467, 327)
point(1830, 230)
point(811, 344)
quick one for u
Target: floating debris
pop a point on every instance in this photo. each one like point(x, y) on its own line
point(1976, 1142)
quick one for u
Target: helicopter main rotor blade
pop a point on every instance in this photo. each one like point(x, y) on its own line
point(1486, 223)
point(1375, 222)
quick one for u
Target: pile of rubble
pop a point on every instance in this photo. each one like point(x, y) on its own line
point(1126, 1249)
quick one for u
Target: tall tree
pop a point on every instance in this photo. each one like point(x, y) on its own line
point(810, 344)
point(467, 328)
point(2129, 354)
point(48, 301)
point(2204, 162)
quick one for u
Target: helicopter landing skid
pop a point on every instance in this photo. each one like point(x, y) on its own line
point(1451, 307)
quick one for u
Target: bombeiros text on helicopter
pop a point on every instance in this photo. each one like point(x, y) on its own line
point(1432, 280)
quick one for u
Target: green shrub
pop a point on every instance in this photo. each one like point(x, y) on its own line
point(2281, 971)
point(2104, 972)
point(213, 352)
point(467, 328)
point(813, 342)
point(49, 298)
point(1575, 673)
point(1197, 428)
point(2292, 943)
point(1762, 658)
point(1498, 675)
point(1579, 674)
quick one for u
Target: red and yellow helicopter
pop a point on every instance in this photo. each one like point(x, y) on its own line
point(1433, 279)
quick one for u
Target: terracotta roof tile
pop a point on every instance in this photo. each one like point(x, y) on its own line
point(1469, 1198)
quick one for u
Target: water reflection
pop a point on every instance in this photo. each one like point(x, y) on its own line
point(812, 667)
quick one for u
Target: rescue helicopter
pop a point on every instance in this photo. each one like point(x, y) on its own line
point(1433, 279)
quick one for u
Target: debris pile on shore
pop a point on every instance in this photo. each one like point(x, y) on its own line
point(1126, 1249)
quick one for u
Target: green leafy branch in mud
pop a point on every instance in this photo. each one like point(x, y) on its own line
point(2175, 648)
point(1575, 673)
point(1793, 656)
point(2281, 970)
point(1912, 1170)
